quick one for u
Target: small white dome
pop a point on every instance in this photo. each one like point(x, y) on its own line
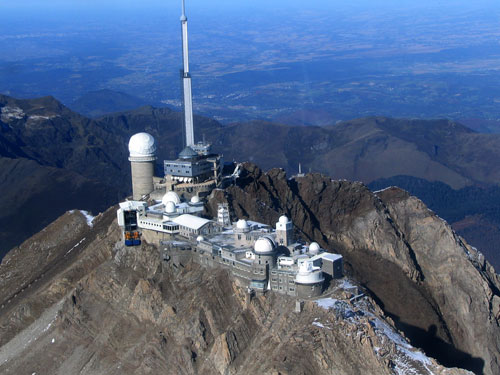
point(199, 238)
point(142, 144)
point(283, 219)
point(264, 245)
point(171, 196)
point(195, 199)
point(170, 207)
point(314, 248)
point(242, 224)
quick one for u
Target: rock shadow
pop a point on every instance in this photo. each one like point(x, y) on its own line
point(435, 347)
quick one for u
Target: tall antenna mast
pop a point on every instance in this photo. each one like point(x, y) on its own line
point(186, 82)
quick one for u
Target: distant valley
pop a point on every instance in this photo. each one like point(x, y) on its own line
point(337, 60)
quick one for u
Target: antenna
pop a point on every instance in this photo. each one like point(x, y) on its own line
point(183, 16)
point(186, 82)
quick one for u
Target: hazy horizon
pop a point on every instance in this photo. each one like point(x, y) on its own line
point(261, 58)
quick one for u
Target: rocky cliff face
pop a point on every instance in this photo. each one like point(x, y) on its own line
point(75, 300)
point(438, 289)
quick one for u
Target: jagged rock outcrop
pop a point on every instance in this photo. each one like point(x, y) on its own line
point(94, 306)
point(440, 291)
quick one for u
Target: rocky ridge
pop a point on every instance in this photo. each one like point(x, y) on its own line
point(439, 290)
point(71, 154)
point(75, 300)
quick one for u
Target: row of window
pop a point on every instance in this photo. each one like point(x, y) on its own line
point(178, 165)
point(150, 224)
point(282, 281)
point(171, 227)
point(281, 288)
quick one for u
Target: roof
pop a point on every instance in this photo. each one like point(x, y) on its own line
point(255, 223)
point(331, 257)
point(142, 144)
point(188, 153)
point(132, 205)
point(191, 221)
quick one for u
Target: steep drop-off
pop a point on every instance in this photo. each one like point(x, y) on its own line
point(34, 195)
point(440, 291)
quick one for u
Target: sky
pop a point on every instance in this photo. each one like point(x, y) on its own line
point(64, 11)
point(105, 5)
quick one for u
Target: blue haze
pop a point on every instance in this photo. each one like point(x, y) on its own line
point(262, 59)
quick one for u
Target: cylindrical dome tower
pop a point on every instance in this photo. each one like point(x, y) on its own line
point(309, 280)
point(142, 149)
point(284, 231)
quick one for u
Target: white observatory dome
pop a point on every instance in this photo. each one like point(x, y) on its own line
point(314, 248)
point(171, 196)
point(199, 238)
point(142, 144)
point(308, 273)
point(170, 207)
point(242, 224)
point(283, 219)
point(195, 199)
point(264, 245)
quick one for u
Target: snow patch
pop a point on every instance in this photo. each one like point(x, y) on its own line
point(384, 189)
point(406, 351)
point(89, 217)
point(48, 326)
point(78, 244)
point(11, 113)
point(346, 284)
point(38, 117)
point(320, 325)
point(326, 303)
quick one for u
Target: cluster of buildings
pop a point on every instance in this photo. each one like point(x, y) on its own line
point(269, 259)
point(168, 211)
point(262, 257)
